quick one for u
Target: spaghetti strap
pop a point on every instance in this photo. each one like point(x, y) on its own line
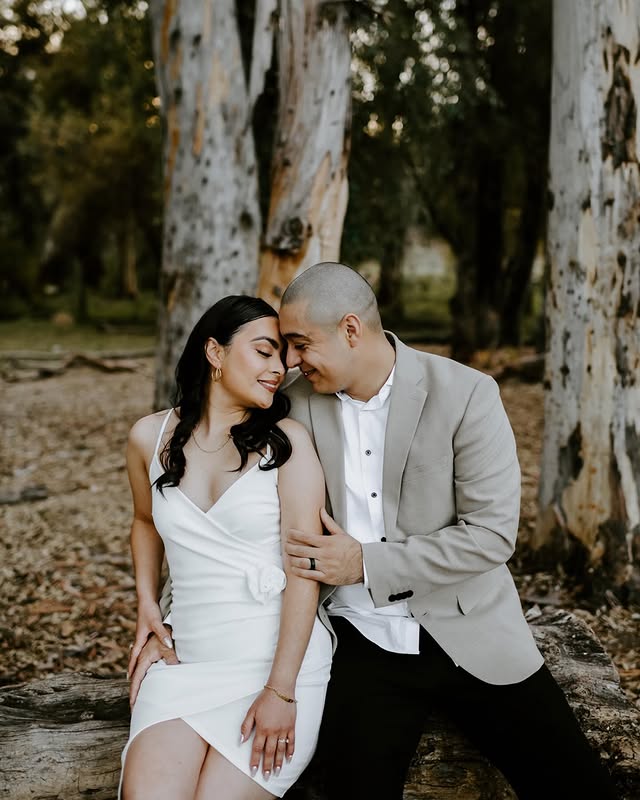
point(164, 425)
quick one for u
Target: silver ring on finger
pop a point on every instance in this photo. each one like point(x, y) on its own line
point(312, 563)
point(283, 741)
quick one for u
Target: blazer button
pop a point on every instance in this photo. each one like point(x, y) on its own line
point(384, 539)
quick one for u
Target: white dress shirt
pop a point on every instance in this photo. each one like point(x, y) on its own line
point(391, 627)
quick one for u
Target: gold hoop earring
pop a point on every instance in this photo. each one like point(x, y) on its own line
point(216, 374)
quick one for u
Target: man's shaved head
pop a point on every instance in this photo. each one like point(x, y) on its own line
point(329, 291)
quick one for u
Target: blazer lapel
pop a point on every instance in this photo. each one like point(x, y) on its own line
point(326, 420)
point(408, 396)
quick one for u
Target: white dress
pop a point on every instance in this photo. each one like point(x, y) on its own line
point(227, 579)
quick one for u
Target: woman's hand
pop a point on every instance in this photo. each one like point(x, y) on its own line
point(149, 621)
point(274, 737)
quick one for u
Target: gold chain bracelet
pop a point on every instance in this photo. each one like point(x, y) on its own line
point(280, 695)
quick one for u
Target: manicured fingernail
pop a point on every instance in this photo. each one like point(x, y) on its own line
point(277, 770)
point(168, 642)
point(290, 757)
point(266, 773)
point(241, 738)
point(254, 770)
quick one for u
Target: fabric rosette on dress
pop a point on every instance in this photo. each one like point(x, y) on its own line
point(265, 582)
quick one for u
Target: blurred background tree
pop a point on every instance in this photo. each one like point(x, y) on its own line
point(451, 124)
point(81, 162)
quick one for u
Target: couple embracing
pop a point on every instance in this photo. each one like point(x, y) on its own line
point(337, 547)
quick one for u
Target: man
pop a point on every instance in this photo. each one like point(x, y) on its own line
point(423, 485)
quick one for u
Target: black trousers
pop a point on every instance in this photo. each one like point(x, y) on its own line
point(375, 711)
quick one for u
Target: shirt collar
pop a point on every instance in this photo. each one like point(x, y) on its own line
point(375, 402)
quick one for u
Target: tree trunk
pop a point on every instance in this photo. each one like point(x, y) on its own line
point(518, 274)
point(80, 294)
point(62, 737)
point(309, 173)
point(390, 284)
point(463, 321)
point(589, 516)
point(489, 248)
point(128, 260)
point(211, 217)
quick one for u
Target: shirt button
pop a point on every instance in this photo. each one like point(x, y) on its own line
point(384, 539)
point(374, 494)
point(367, 452)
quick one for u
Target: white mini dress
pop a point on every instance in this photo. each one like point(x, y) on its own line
point(227, 582)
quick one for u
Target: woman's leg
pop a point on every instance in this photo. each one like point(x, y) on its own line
point(164, 762)
point(219, 778)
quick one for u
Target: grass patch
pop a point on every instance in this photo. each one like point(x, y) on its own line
point(114, 324)
point(425, 302)
point(42, 335)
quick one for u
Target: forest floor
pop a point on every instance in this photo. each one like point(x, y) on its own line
point(67, 597)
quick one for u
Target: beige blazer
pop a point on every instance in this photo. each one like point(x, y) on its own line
point(451, 505)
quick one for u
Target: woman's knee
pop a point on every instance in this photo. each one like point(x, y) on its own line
point(151, 764)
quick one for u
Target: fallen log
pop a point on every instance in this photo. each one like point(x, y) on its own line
point(61, 737)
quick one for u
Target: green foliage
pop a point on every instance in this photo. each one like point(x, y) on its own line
point(85, 158)
point(451, 107)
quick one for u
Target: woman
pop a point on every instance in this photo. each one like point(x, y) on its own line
point(214, 481)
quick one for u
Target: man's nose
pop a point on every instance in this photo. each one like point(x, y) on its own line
point(293, 359)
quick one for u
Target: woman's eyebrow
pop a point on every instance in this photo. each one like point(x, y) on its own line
point(272, 342)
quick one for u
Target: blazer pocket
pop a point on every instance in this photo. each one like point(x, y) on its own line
point(415, 473)
point(469, 596)
point(486, 586)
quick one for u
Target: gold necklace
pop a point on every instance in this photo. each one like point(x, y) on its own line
point(226, 441)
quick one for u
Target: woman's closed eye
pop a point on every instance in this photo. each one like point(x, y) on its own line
point(266, 355)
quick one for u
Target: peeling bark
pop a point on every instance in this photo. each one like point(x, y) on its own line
point(309, 173)
point(590, 490)
point(212, 220)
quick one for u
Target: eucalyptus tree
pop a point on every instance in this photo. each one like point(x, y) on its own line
point(590, 474)
point(210, 82)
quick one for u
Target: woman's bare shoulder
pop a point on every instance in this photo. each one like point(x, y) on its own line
point(303, 451)
point(295, 431)
point(145, 431)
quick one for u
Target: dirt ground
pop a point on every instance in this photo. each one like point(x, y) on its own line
point(67, 596)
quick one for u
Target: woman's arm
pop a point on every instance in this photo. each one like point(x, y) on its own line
point(146, 545)
point(302, 495)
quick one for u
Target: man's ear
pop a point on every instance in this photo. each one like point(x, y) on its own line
point(351, 326)
point(214, 352)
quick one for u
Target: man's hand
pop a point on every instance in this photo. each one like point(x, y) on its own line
point(154, 650)
point(149, 621)
point(337, 559)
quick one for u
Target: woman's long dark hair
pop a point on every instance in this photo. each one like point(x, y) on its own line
point(193, 376)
